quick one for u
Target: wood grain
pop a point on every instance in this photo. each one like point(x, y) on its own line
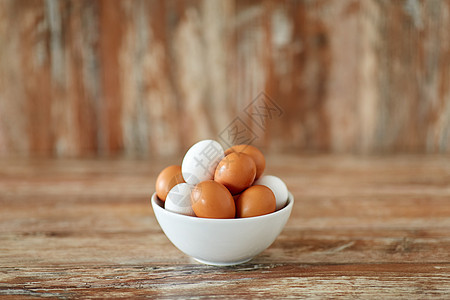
point(361, 227)
point(149, 78)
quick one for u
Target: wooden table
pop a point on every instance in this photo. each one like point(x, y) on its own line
point(362, 227)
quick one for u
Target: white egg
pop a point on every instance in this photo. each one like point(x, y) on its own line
point(277, 186)
point(201, 160)
point(178, 199)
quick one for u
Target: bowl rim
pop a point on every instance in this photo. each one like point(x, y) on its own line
point(157, 206)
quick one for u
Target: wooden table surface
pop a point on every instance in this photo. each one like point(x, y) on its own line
point(361, 227)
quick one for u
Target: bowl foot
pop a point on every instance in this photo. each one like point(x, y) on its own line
point(222, 264)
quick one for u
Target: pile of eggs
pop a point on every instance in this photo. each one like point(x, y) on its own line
point(213, 183)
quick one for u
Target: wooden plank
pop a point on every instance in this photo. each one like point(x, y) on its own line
point(363, 227)
point(415, 281)
point(83, 78)
point(149, 246)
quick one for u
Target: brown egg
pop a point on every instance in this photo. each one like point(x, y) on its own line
point(254, 153)
point(235, 197)
point(167, 179)
point(255, 201)
point(211, 199)
point(236, 172)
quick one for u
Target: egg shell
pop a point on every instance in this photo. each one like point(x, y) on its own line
point(235, 197)
point(167, 179)
point(178, 200)
point(254, 153)
point(236, 172)
point(277, 186)
point(200, 161)
point(255, 201)
point(211, 199)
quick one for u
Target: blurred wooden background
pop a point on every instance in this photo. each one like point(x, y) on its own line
point(143, 78)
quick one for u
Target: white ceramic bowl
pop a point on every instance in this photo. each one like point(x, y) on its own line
point(221, 242)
